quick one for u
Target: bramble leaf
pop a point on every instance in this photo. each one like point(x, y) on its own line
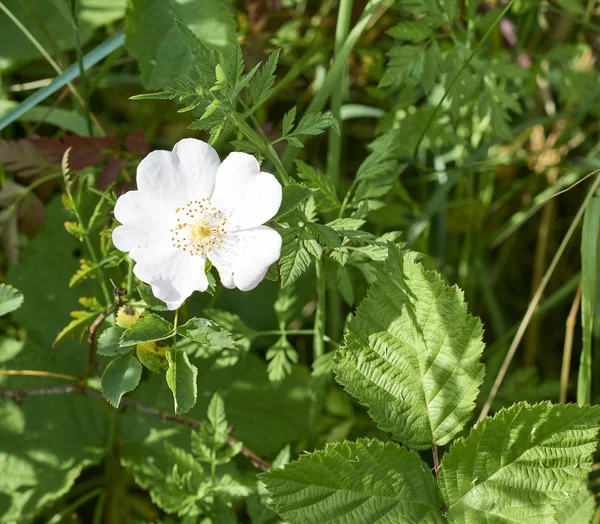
point(521, 465)
point(363, 481)
point(412, 353)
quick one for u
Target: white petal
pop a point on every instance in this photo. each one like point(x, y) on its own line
point(198, 164)
point(173, 274)
point(248, 196)
point(135, 208)
point(245, 256)
point(174, 178)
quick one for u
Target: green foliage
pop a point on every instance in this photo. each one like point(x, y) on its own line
point(182, 380)
point(521, 465)
point(152, 35)
point(147, 329)
point(11, 299)
point(121, 376)
point(206, 331)
point(363, 481)
point(412, 354)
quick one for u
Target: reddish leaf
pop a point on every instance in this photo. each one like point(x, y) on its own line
point(32, 214)
point(24, 158)
point(136, 144)
point(110, 172)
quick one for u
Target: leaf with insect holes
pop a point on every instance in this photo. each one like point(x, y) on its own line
point(121, 376)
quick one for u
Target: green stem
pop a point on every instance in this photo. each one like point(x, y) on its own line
point(261, 140)
point(129, 276)
point(319, 332)
point(93, 256)
point(82, 74)
point(334, 151)
point(372, 10)
point(69, 510)
point(535, 301)
point(109, 466)
point(279, 332)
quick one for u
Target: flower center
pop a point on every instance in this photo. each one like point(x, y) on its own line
point(200, 227)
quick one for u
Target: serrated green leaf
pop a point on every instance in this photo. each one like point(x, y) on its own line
point(122, 375)
point(182, 380)
point(315, 124)
point(147, 329)
point(261, 86)
point(365, 481)
point(325, 235)
point(206, 332)
point(412, 354)
point(317, 179)
point(520, 465)
point(79, 318)
point(292, 196)
point(295, 256)
point(288, 121)
point(217, 419)
point(85, 268)
point(281, 356)
point(11, 299)
point(108, 342)
point(578, 509)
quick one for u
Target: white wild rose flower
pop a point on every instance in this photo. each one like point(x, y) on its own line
point(190, 207)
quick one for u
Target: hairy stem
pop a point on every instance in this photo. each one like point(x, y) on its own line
point(319, 332)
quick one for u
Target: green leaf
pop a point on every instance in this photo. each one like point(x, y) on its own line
point(151, 301)
point(11, 299)
point(216, 417)
point(317, 179)
point(589, 277)
point(147, 329)
point(295, 255)
point(578, 509)
point(326, 236)
point(281, 356)
point(261, 86)
point(108, 342)
point(182, 380)
point(412, 353)
point(521, 465)
point(288, 121)
point(122, 375)
point(153, 37)
point(292, 196)
point(79, 319)
point(206, 332)
point(312, 124)
point(363, 481)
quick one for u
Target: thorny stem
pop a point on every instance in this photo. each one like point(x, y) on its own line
point(535, 301)
point(19, 395)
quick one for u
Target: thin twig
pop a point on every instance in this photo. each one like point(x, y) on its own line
point(19, 395)
point(568, 347)
point(36, 373)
